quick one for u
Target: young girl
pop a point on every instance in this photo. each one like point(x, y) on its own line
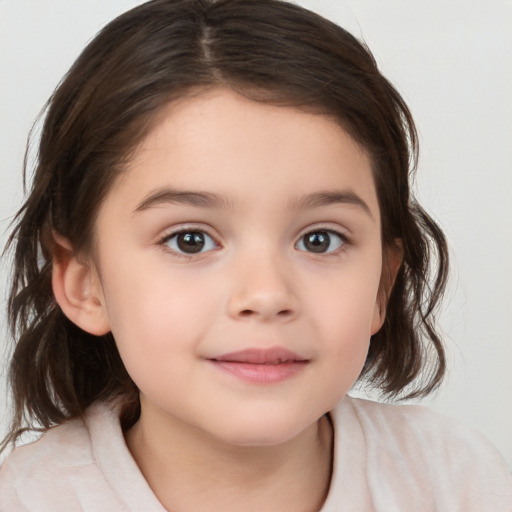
point(218, 243)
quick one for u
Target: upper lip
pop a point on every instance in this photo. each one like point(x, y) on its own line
point(274, 355)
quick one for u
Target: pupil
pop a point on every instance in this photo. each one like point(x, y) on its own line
point(317, 242)
point(191, 242)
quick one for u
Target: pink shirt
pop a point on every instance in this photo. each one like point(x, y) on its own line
point(387, 458)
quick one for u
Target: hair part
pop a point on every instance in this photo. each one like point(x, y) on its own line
point(269, 51)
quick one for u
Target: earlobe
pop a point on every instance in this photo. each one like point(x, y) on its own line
point(77, 289)
point(379, 314)
point(392, 261)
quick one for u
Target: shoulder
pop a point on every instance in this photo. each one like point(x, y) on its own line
point(30, 472)
point(46, 474)
point(69, 442)
point(420, 429)
point(412, 449)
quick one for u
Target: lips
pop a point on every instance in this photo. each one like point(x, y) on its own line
point(261, 366)
point(276, 355)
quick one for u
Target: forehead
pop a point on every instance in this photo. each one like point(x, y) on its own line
point(244, 150)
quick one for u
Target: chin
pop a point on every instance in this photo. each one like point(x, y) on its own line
point(262, 432)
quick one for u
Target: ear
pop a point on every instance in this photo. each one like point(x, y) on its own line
point(77, 289)
point(391, 262)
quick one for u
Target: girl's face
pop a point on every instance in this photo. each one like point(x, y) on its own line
point(239, 260)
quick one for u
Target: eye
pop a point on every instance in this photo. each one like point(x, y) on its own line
point(190, 242)
point(321, 241)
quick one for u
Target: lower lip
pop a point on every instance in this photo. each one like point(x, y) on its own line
point(261, 373)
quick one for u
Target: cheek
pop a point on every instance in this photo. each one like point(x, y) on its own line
point(345, 301)
point(343, 312)
point(153, 316)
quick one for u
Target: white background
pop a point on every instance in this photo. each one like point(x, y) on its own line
point(451, 61)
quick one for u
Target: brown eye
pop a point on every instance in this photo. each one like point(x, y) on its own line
point(190, 242)
point(320, 241)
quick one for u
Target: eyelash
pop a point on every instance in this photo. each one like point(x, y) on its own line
point(345, 241)
point(163, 242)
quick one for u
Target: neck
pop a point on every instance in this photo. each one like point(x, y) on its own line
point(189, 471)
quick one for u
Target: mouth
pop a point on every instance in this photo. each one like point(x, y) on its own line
point(261, 366)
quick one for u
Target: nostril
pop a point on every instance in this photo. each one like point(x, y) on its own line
point(249, 312)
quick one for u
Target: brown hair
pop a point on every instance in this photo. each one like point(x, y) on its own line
point(267, 50)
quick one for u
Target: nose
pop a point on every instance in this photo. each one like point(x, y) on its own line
point(263, 289)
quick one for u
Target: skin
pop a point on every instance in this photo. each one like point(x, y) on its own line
point(256, 284)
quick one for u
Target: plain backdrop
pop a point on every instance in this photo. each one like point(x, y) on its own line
point(450, 59)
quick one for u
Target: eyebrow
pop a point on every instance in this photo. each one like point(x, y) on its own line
point(328, 198)
point(188, 197)
point(202, 199)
